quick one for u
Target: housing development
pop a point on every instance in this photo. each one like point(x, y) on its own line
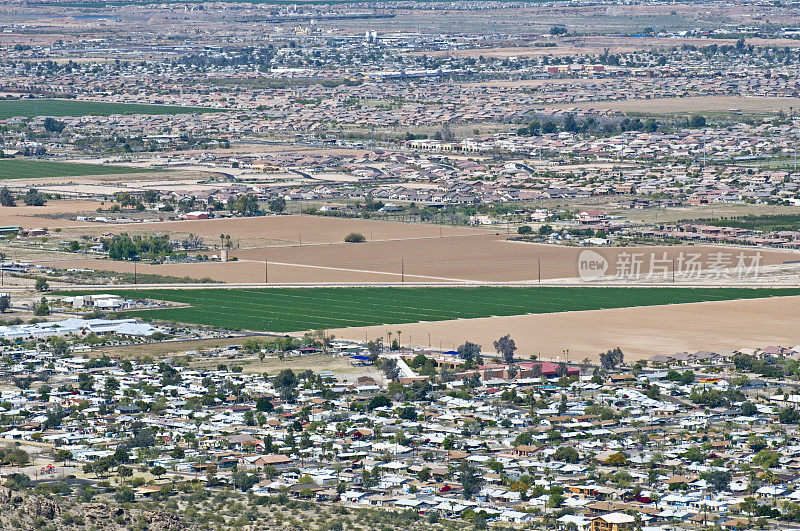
point(342, 265)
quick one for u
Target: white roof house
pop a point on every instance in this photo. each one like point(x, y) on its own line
point(73, 326)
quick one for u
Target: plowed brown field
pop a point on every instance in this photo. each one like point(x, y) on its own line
point(478, 258)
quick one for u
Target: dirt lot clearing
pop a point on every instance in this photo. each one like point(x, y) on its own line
point(639, 332)
point(657, 106)
point(482, 258)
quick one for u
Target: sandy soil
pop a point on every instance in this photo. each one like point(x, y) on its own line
point(340, 365)
point(481, 258)
point(309, 229)
point(718, 210)
point(475, 258)
point(30, 217)
point(534, 83)
point(640, 332)
point(164, 348)
point(240, 272)
point(596, 44)
point(689, 104)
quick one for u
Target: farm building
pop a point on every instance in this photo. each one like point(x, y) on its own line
point(78, 327)
point(101, 301)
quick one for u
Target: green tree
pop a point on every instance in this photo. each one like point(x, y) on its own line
point(112, 384)
point(697, 121)
point(59, 346)
point(60, 456)
point(51, 125)
point(85, 381)
point(6, 199)
point(567, 454)
point(756, 442)
point(264, 405)
point(124, 472)
point(506, 347)
point(424, 474)
point(355, 237)
point(555, 500)
point(469, 352)
point(286, 383)
point(33, 198)
point(719, 479)
point(788, 415)
point(766, 458)
point(694, 454)
point(124, 495)
point(278, 204)
point(749, 409)
point(470, 478)
point(42, 308)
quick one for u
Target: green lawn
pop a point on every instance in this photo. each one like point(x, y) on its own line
point(291, 309)
point(34, 107)
point(28, 169)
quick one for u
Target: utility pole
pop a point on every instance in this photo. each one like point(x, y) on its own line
point(134, 274)
point(266, 272)
point(402, 270)
point(704, 150)
point(791, 126)
point(540, 270)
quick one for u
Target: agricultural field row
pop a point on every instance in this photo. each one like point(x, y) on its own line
point(31, 169)
point(293, 309)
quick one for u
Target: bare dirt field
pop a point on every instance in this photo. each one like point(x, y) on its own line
point(689, 104)
point(288, 230)
point(340, 365)
point(614, 44)
point(243, 272)
point(639, 332)
point(164, 348)
point(485, 258)
point(534, 83)
point(29, 217)
point(713, 211)
point(479, 258)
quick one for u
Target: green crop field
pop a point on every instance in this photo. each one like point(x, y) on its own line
point(29, 169)
point(292, 309)
point(33, 107)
